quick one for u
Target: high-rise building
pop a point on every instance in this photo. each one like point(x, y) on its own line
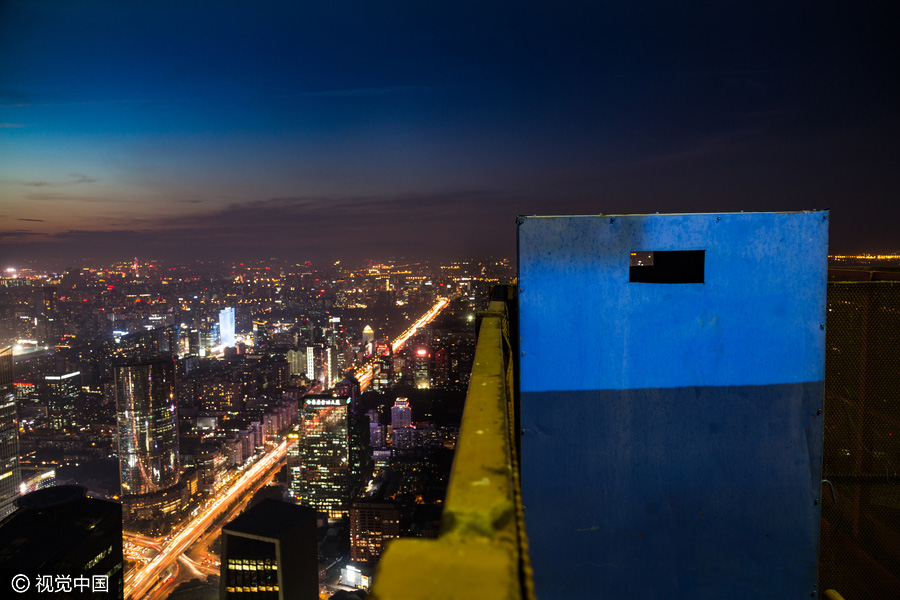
point(60, 532)
point(422, 368)
point(9, 446)
point(295, 467)
point(324, 455)
point(148, 435)
point(358, 434)
point(270, 551)
point(260, 334)
point(226, 326)
point(150, 344)
point(372, 526)
point(401, 413)
point(376, 436)
point(383, 366)
point(311, 362)
point(334, 366)
point(296, 359)
point(368, 335)
point(62, 391)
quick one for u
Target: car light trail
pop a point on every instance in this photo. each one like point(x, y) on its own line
point(137, 585)
point(364, 374)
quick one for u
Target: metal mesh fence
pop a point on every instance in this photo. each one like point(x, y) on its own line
point(859, 555)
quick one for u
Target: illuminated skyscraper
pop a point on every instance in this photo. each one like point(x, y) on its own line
point(324, 456)
point(401, 413)
point(148, 432)
point(62, 392)
point(372, 526)
point(383, 367)
point(9, 447)
point(421, 368)
point(295, 467)
point(226, 326)
point(260, 334)
point(311, 362)
point(150, 344)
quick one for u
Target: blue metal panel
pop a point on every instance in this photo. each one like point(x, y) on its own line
point(672, 445)
point(755, 320)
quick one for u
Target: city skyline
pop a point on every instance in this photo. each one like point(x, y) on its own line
point(185, 431)
point(357, 130)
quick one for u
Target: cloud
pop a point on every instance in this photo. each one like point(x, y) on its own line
point(33, 220)
point(10, 125)
point(191, 201)
point(442, 223)
point(86, 234)
point(348, 213)
point(57, 197)
point(12, 234)
point(76, 178)
point(457, 223)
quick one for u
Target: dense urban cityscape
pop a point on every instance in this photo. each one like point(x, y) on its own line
point(183, 391)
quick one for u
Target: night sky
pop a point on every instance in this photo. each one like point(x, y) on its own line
point(301, 130)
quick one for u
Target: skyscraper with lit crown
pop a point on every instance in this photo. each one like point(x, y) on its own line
point(324, 456)
point(401, 413)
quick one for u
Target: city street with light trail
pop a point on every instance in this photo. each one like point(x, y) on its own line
point(141, 580)
point(364, 374)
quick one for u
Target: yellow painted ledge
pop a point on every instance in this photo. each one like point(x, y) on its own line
point(414, 569)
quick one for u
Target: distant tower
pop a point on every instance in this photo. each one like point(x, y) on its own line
point(368, 335)
point(148, 433)
point(401, 413)
point(134, 265)
point(9, 447)
point(226, 326)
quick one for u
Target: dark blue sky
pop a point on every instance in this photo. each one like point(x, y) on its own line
point(369, 129)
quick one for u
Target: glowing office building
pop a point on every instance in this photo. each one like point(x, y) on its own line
point(9, 447)
point(148, 435)
point(324, 456)
point(226, 327)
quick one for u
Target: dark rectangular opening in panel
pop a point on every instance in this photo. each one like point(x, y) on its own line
point(667, 266)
